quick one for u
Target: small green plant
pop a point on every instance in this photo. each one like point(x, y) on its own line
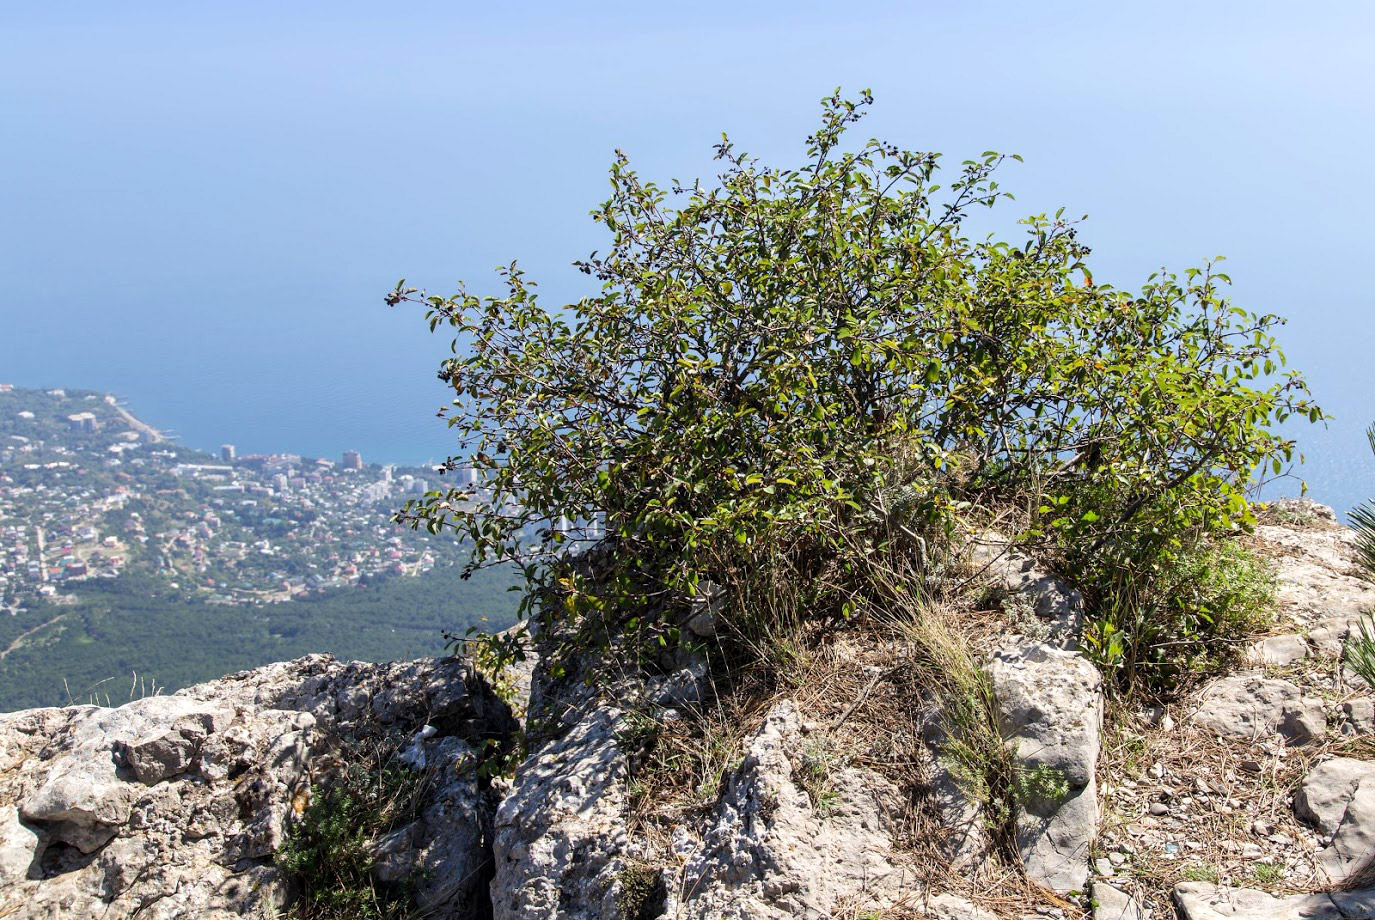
point(1199, 873)
point(636, 731)
point(1360, 648)
point(814, 774)
point(1022, 612)
point(328, 850)
point(1268, 873)
point(493, 655)
point(1041, 784)
point(499, 757)
point(1185, 611)
point(642, 892)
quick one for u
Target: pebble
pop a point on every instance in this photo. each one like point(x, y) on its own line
point(1159, 809)
point(1103, 867)
point(1116, 858)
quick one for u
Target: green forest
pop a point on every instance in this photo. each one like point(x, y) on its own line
point(136, 627)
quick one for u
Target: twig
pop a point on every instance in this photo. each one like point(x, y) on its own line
point(864, 695)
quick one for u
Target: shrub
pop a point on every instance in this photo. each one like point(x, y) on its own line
point(790, 357)
point(330, 849)
point(641, 892)
point(1187, 611)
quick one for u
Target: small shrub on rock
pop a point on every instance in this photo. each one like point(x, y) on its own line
point(790, 371)
point(330, 849)
point(1189, 612)
point(641, 892)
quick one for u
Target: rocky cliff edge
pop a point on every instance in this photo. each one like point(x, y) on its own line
point(834, 795)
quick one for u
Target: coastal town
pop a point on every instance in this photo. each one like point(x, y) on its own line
point(87, 491)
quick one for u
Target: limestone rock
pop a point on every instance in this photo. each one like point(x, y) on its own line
point(1202, 901)
point(83, 794)
point(954, 907)
point(1304, 511)
point(19, 845)
point(1278, 651)
point(1248, 707)
point(1338, 798)
point(1351, 854)
point(560, 845)
point(770, 851)
point(560, 833)
point(1360, 715)
point(448, 859)
point(1319, 583)
point(173, 807)
point(1057, 604)
point(1050, 710)
point(1110, 903)
point(1326, 791)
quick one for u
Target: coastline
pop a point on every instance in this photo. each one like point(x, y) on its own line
point(152, 433)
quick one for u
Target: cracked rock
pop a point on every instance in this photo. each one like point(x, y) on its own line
point(1278, 651)
point(1338, 799)
point(772, 851)
point(172, 807)
point(1050, 711)
point(1202, 901)
point(1110, 903)
point(1248, 707)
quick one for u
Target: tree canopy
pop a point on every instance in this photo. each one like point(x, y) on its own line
point(788, 363)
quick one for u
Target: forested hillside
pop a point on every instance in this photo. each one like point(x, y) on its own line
point(136, 625)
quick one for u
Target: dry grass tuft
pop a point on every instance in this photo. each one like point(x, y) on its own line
point(870, 690)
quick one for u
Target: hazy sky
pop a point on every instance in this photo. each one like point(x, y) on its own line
point(202, 205)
